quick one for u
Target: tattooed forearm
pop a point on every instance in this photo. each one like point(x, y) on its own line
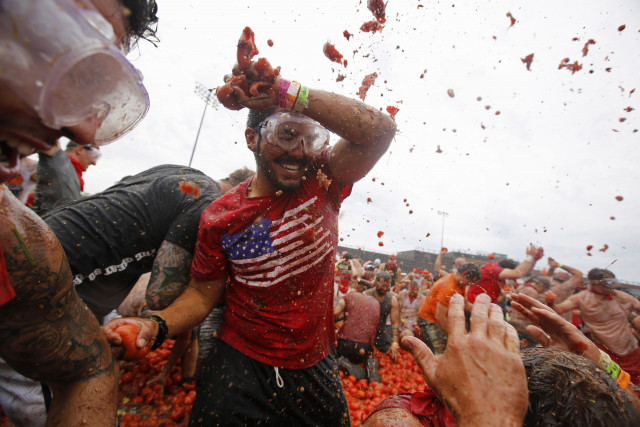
point(169, 275)
point(47, 332)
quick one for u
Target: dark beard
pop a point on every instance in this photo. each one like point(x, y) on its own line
point(261, 165)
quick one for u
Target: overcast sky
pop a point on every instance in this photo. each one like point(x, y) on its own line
point(546, 169)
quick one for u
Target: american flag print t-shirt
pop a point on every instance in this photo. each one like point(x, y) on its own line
point(278, 253)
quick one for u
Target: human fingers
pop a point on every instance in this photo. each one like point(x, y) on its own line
point(113, 337)
point(497, 325)
point(455, 317)
point(529, 302)
point(147, 332)
point(526, 312)
point(539, 335)
point(531, 250)
point(394, 353)
point(480, 315)
point(422, 355)
point(511, 339)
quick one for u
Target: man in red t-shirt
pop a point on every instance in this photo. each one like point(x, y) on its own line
point(268, 247)
point(494, 275)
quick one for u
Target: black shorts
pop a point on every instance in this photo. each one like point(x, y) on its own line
point(234, 389)
point(356, 352)
point(384, 338)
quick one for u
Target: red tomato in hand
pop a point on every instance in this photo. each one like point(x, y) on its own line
point(129, 335)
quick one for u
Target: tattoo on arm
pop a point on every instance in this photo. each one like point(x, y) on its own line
point(169, 275)
point(47, 333)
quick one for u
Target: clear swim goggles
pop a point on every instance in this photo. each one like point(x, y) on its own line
point(286, 130)
point(61, 58)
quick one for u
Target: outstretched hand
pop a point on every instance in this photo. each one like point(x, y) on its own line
point(536, 252)
point(480, 376)
point(551, 330)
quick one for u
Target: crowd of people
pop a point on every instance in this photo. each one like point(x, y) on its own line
point(255, 255)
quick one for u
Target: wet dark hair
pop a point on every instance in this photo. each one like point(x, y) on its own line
point(239, 175)
point(599, 274)
point(383, 275)
point(568, 390)
point(471, 272)
point(255, 117)
point(507, 263)
point(544, 281)
point(141, 20)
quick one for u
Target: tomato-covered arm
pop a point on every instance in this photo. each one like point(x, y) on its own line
point(364, 137)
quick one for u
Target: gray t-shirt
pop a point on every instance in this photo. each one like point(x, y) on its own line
point(58, 182)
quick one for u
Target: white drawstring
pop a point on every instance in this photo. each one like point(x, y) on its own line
point(279, 381)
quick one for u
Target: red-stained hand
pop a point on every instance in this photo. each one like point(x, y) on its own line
point(551, 330)
point(480, 376)
point(147, 332)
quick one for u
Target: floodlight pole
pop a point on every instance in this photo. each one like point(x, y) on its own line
point(444, 215)
point(205, 94)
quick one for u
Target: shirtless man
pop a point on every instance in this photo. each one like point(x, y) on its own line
point(605, 311)
point(46, 332)
point(410, 301)
point(387, 338)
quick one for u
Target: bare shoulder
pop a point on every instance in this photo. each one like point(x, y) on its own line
point(47, 332)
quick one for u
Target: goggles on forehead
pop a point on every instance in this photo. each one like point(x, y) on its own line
point(61, 58)
point(286, 130)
